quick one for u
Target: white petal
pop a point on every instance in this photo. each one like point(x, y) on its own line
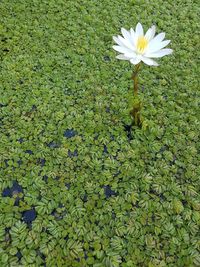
point(130, 55)
point(116, 39)
point(135, 40)
point(135, 61)
point(132, 33)
point(126, 43)
point(157, 39)
point(155, 46)
point(160, 53)
point(121, 49)
point(149, 61)
point(133, 37)
point(122, 57)
point(150, 33)
point(126, 34)
point(139, 29)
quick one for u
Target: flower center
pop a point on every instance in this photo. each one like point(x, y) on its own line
point(141, 44)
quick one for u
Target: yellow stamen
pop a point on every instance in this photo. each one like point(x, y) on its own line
point(141, 44)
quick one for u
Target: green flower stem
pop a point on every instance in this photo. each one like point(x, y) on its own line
point(135, 112)
point(135, 79)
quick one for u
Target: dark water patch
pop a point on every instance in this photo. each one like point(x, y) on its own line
point(184, 202)
point(17, 201)
point(30, 152)
point(107, 110)
point(6, 162)
point(69, 133)
point(34, 107)
point(108, 191)
point(85, 198)
point(172, 162)
point(68, 185)
point(128, 131)
point(105, 150)
point(58, 215)
point(45, 178)
point(21, 81)
point(29, 216)
point(3, 105)
point(6, 192)
point(6, 50)
point(66, 237)
point(96, 136)
point(7, 229)
point(15, 189)
point(20, 140)
point(112, 137)
point(116, 174)
point(106, 58)
point(161, 195)
point(20, 162)
point(163, 149)
point(85, 255)
point(72, 154)
point(40, 254)
point(7, 234)
point(41, 162)
point(53, 145)
point(19, 255)
point(113, 215)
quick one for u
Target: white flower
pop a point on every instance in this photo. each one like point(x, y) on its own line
point(136, 46)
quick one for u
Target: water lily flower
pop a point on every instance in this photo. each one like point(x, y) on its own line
point(136, 46)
